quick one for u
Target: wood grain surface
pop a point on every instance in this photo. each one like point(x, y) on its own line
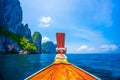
point(62, 71)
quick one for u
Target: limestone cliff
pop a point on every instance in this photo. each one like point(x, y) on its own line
point(48, 47)
point(25, 31)
point(37, 41)
point(11, 27)
point(10, 14)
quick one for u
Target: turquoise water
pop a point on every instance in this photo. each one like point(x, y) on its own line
point(18, 67)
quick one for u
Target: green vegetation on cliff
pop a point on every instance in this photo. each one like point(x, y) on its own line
point(21, 40)
point(48, 47)
point(36, 38)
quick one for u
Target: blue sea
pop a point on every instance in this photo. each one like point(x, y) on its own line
point(18, 67)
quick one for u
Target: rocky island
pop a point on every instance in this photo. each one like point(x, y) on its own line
point(15, 37)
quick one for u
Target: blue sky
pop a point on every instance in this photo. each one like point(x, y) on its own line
point(90, 25)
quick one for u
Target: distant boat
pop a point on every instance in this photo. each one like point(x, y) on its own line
point(61, 69)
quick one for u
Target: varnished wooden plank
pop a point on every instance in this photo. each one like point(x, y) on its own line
point(62, 71)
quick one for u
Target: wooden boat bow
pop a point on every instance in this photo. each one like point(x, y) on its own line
point(61, 69)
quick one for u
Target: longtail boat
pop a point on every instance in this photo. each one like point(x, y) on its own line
point(61, 69)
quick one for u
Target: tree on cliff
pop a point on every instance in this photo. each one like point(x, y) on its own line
point(48, 47)
point(37, 41)
point(21, 40)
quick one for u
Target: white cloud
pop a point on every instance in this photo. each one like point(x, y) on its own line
point(44, 39)
point(45, 21)
point(91, 49)
point(85, 48)
point(111, 47)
